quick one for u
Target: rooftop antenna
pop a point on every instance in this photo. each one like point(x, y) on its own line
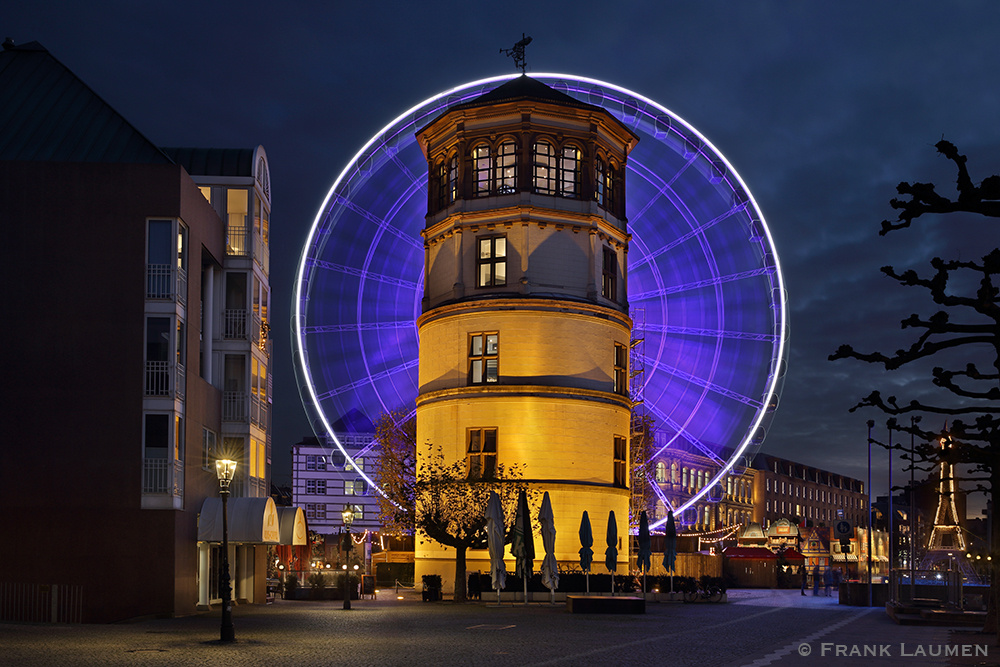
point(517, 53)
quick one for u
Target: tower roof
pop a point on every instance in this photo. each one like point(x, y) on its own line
point(525, 88)
point(50, 115)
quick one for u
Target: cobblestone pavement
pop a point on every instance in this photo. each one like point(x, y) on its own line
point(757, 628)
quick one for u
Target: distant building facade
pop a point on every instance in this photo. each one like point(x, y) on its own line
point(324, 484)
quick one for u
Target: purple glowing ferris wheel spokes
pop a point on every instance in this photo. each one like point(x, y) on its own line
point(692, 220)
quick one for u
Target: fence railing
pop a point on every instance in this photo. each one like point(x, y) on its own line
point(159, 281)
point(156, 476)
point(236, 241)
point(234, 406)
point(41, 603)
point(157, 378)
point(941, 586)
point(234, 324)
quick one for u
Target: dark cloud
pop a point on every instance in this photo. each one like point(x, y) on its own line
point(822, 109)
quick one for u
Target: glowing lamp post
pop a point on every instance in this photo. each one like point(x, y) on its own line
point(225, 469)
point(348, 516)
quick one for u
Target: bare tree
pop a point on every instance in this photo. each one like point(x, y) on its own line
point(973, 436)
point(442, 500)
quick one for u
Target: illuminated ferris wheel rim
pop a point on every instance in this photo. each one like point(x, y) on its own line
point(780, 305)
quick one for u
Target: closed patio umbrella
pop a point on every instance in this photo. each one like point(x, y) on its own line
point(611, 553)
point(586, 542)
point(494, 539)
point(523, 545)
point(670, 547)
point(645, 550)
point(550, 568)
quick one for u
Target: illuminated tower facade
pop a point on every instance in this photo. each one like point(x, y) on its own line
point(524, 332)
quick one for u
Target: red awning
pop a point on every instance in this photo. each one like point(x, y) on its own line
point(792, 554)
point(750, 552)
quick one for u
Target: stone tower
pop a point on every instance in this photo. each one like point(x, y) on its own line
point(524, 335)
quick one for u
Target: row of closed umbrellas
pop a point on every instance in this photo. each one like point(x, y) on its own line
point(523, 546)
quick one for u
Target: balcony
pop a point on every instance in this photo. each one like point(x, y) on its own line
point(163, 477)
point(236, 241)
point(234, 406)
point(164, 379)
point(235, 324)
point(165, 282)
point(261, 253)
point(258, 412)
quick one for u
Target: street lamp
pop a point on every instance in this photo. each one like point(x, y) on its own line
point(225, 469)
point(913, 512)
point(348, 516)
point(871, 425)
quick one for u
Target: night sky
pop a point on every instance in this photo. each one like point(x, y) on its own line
point(822, 108)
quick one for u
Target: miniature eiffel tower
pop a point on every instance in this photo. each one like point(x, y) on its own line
point(947, 543)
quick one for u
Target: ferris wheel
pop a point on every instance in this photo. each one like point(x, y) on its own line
point(703, 273)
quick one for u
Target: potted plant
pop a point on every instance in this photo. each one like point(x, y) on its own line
point(432, 587)
point(291, 586)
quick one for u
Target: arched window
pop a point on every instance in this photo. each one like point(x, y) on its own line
point(661, 472)
point(701, 481)
point(707, 516)
point(599, 185)
point(660, 510)
point(569, 172)
point(729, 487)
point(611, 185)
point(544, 168)
point(506, 168)
point(674, 474)
point(453, 179)
point(684, 478)
point(481, 171)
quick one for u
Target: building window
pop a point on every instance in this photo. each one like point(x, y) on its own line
point(209, 443)
point(481, 455)
point(505, 174)
point(311, 486)
point(620, 458)
point(569, 172)
point(321, 511)
point(611, 182)
point(661, 472)
point(599, 185)
point(453, 179)
point(442, 186)
point(320, 463)
point(544, 176)
point(310, 463)
point(491, 262)
point(684, 478)
point(359, 464)
point(675, 477)
point(484, 358)
point(321, 487)
point(621, 369)
point(359, 512)
point(310, 510)
point(609, 278)
point(481, 171)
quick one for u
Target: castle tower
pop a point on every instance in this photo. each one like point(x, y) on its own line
point(524, 336)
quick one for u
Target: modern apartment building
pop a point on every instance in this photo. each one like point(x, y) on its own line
point(135, 280)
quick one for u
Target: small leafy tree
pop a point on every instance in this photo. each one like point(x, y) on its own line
point(438, 498)
point(395, 470)
point(973, 437)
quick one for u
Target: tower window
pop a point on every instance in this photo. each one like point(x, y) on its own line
point(661, 472)
point(599, 184)
point(506, 169)
point(610, 185)
point(621, 369)
point(442, 186)
point(491, 262)
point(481, 171)
point(569, 172)
point(484, 358)
point(621, 455)
point(544, 177)
point(453, 179)
point(481, 454)
point(609, 281)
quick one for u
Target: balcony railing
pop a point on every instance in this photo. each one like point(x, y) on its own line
point(234, 406)
point(163, 476)
point(157, 378)
point(261, 253)
point(165, 281)
point(258, 411)
point(236, 241)
point(234, 324)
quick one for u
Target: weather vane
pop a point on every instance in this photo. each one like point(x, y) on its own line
point(517, 53)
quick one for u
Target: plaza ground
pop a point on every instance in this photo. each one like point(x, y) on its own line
point(756, 627)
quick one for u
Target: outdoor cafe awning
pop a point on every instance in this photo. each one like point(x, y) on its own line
point(292, 526)
point(251, 521)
